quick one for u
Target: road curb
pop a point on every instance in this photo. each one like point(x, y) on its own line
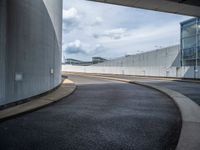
point(66, 88)
point(190, 113)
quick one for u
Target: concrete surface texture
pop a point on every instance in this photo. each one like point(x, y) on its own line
point(190, 114)
point(30, 48)
point(190, 111)
point(165, 62)
point(99, 115)
point(165, 57)
point(189, 89)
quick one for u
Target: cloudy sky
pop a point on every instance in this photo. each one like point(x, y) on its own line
point(110, 31)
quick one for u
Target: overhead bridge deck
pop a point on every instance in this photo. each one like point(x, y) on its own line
point(182, 7)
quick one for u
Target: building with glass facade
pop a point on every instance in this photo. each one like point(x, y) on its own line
point(190, 42)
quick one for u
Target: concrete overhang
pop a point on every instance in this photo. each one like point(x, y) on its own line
point(182, 7)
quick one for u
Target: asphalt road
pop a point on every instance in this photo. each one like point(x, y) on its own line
point(189, 89)
point(100, 115)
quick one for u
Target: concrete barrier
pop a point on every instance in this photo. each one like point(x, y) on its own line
point(172, 72)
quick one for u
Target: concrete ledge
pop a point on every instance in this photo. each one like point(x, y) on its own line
point(190, 113)
point(143, 77)
point(66, 88)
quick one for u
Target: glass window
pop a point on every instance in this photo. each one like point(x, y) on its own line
point(198, 62)
point(189, 42)
point(198, 49)
point(198, 28)
point(189, 29)
point(189, 53)
point(198, 40)
point(189, 62)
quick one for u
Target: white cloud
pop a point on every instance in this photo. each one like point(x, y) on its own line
point(75, 47)
point(98, 21)
point(71, 19)
point(79, 47)
point(71, 13)
point(113, 34)
point(112, 31)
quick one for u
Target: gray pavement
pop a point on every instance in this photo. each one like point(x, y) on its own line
point(100, 115)
point(189, 89)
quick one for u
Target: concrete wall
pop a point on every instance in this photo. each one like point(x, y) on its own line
point(163, 62)
point(165, 57)
point(180, 72)
point(33, 48)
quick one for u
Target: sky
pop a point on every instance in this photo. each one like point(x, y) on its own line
point(93, 29)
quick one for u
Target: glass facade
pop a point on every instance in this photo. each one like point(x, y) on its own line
point(190, 42)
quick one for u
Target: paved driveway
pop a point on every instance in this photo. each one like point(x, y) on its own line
point(100, 115)
point(189, 89)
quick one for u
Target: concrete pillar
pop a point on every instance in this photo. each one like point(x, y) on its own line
point(30, 59)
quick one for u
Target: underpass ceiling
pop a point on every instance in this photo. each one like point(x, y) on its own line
point(182, 7)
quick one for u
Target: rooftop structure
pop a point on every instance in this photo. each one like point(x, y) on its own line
point(96, 60)
point(71, 61)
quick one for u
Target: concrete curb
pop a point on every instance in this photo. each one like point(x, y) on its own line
point(189, 81)
point(190, 112)
point(66, 89)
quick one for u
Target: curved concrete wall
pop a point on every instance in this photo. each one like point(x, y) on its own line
point(31, 54)
point(165, 58)
point(165, 62)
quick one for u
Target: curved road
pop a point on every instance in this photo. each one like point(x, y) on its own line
point(189, 89)
point(100, 115)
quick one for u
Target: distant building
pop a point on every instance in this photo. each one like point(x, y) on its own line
point(96, 60)
point(70, 61)
point(190, 42)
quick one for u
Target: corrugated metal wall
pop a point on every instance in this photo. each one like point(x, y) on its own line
point(33, 47)
point(2, 48)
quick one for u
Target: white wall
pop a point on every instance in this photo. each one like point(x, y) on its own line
point(179, 72)
point(165, 57)
point(165, 62)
